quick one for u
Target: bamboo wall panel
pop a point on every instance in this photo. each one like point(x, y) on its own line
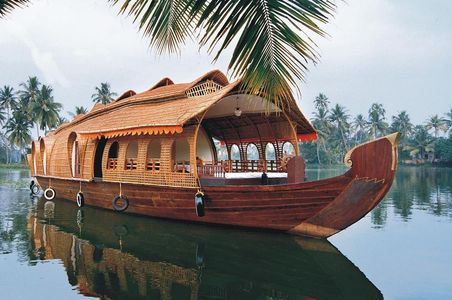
point(164, 177)
point(57, 159)
point(88, 151)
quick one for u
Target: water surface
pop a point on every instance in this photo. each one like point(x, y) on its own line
point(401, 250)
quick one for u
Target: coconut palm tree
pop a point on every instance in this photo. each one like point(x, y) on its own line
point(449, 121)
point(7, 5)
point(45, 109)
point(8, 99)
point(28, 96)
point(103, 94)
point(7, 102)
point(272, 40)
point(323, 127)
point(437, 124)
point(360, 126)
point(401, 123)
point(421, 144)
point(79, 110)
point(377, 124)
point(339, 116)
point(18, 129)
point(3, 118)
point(321, 101)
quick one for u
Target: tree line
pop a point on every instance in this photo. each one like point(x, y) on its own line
point(338, 131)
point(31, 106)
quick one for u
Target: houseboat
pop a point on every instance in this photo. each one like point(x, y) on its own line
point(208, 151)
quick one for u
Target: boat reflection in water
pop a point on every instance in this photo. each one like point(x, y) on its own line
point(111, 255)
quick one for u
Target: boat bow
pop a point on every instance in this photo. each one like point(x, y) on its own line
point(372, 169)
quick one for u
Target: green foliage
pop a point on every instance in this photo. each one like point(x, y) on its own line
point(443, 149)
point(103, 94)
point(271, 39)
point(32, 104)
point(337, 134)
point(79, 110)
point(45, 110)
point(8, 5)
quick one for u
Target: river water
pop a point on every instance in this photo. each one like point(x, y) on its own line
point(401, 250)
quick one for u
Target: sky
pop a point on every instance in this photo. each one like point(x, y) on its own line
point(395, 52)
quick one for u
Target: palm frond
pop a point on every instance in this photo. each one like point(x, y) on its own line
point(271, 39)
point(7, 6)
point(273, 47)
point(166, 23)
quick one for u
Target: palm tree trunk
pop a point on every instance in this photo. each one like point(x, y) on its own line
point(318, 153)
point(343, 138)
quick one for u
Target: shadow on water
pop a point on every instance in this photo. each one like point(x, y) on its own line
point(113, 255)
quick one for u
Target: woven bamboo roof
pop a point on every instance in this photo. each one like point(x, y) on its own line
point(165, 108)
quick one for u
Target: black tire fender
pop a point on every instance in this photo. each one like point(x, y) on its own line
point(80, 198)
point(49, 194)
point(123, 207)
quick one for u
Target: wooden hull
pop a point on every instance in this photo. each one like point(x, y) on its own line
point(319, 209)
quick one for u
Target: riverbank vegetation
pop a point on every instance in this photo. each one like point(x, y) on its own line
point(32, 107)
point(338, 131)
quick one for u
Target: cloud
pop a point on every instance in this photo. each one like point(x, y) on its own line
point(44, 60)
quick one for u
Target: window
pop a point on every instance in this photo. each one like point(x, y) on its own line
point(270, 156)
point(112, 162)
point(270, 153)
point(251, 152)
point(33, 157)
point(74, 155)
point(153, 156)
point(131, 156)
point(42, 148)
point(235, 152)
point(181, 156)
point(288, 149)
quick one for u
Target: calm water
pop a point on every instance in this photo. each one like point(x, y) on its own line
point(401, 250)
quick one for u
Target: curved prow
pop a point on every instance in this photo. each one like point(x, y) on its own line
point(373, 165)
point(376, 159)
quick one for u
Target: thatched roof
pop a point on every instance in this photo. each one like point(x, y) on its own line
point(165, 108)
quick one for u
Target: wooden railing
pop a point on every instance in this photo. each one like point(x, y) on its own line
point(260, 165)
point(182, 166)
point(212, 170)
point(153, 165)
point(219, 169)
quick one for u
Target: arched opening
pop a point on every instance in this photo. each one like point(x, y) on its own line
point(252, 153)
point(235, 152)
point(270, 156)
point(252, 157)
point(33, 156)
point(43, 152)
point(112, 162)
point(74, 155)
point(204, 151)
point(131, 161)
point(222, 150)
point(153, 155)
point(181, 156)
point(98, 156)
point(235, 163)
point(288, 149)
